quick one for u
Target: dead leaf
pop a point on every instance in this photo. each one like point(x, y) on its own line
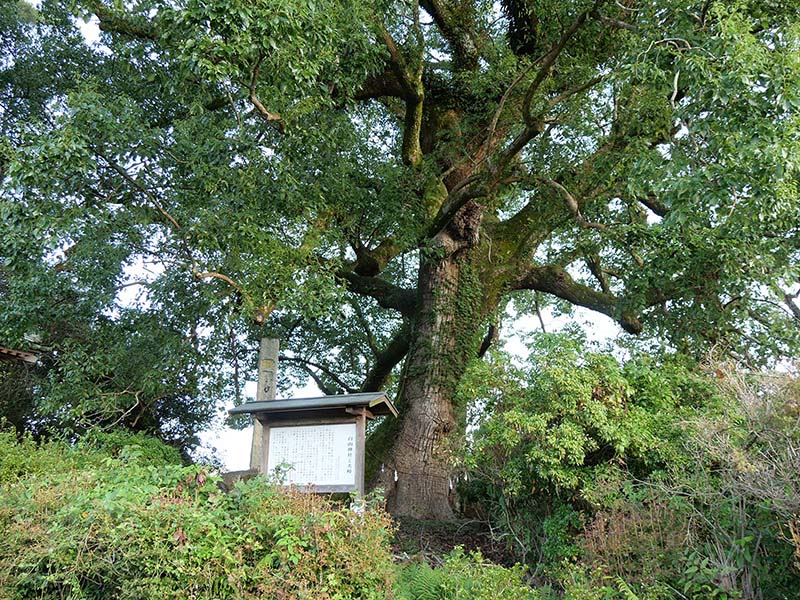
point(180, 537)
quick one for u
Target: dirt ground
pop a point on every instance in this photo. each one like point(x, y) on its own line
point(432, 540)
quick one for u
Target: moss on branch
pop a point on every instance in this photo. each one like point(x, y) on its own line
point(555, 280)
point(386, 294)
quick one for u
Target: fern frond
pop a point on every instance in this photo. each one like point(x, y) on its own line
point(625, 589)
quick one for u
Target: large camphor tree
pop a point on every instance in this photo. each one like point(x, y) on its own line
point(374, 181)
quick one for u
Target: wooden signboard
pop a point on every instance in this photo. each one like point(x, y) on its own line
point(316, 444)
point(322, 457)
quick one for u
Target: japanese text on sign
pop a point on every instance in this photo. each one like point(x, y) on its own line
point(314, 454)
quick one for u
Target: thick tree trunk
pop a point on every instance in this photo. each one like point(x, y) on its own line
point(446, 336)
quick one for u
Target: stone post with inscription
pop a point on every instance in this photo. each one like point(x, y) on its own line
point(267, 380)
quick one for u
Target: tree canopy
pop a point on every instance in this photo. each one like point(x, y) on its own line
point(373, 182)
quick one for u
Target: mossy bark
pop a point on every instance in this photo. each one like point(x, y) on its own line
point(447, 334)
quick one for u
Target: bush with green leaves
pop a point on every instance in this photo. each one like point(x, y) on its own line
point(466, 576)
point(559, 436)
point(650, 479)
point(82, 522)
point(719, 525)
point(744, 489)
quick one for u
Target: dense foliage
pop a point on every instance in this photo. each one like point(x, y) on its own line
point(464, 576)
point(117, 516)
point(372, 181)
point(640, 480)
point(645, 479)
point(121, 518)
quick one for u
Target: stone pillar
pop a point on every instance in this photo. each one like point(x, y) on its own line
point(267, 379)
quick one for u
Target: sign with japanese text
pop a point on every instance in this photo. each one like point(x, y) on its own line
point(315, 455)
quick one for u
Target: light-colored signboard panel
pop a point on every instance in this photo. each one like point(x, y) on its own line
point(317, 455)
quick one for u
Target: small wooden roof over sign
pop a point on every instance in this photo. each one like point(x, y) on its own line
point(12, 354)
point(377, 403)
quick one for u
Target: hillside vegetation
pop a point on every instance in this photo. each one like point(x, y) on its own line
point(601, 480)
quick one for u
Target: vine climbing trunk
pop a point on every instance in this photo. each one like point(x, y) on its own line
point(418, 473)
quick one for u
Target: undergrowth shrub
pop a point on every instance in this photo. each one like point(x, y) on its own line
point(465, 576)
point(559, 437)
point(130, 523)
point(744, 489)
point(643, 540)
point(652, 479)
point(714, 525)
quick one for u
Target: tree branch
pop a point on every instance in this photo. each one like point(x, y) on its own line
point(386, 294)
point(456, 26)
point(573, 205)
point(477, 185)
point(491, 337)
point(791, 303)
point(556, 281)
point(307, 365)
point(457, 198)
point(399, 66)
point(652, 202)
point(501, 105)
point(371, 262)
point(112, 22)
point(378, 376)
point(596, 268)
point(538, 310)
point(384, 85)
point(573, 91)
point(413, 94)
point(262, 110)
point(550, 58)
point(114, 165)
point(362, 319)
point(522, 232)
point(220, 276)
point(263, 311)
point(611, 22)
point(535, 125)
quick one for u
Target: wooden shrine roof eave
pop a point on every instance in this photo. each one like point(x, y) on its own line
point(377, 402)
point(12, 354)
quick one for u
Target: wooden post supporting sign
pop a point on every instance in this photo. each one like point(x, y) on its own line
point(267, 380)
